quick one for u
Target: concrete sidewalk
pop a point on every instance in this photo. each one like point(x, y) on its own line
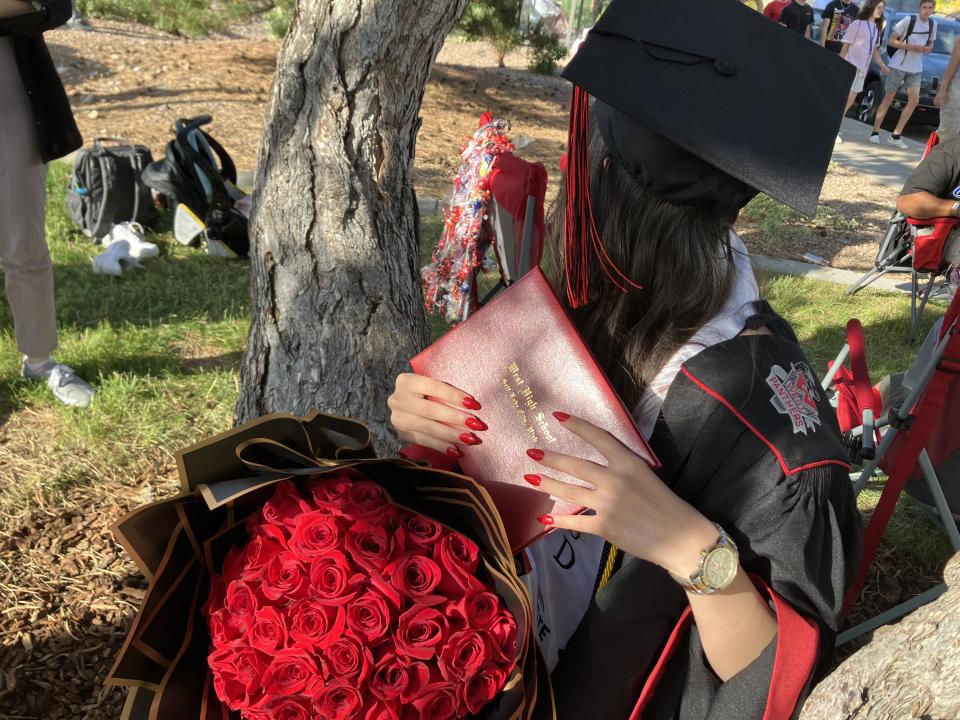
point(884, 163)
point(891, 282)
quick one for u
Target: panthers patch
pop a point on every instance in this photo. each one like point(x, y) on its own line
point(795, 394)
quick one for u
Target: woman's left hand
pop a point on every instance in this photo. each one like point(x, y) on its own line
point(634, 509)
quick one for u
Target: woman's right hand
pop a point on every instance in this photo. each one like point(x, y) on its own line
point(434, 414)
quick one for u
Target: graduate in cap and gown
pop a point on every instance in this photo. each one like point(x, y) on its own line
point(713, 588)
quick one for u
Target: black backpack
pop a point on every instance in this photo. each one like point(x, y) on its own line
point(106, 187)
point(931, 29)
point(198, 173)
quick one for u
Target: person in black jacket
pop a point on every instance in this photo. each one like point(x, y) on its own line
point(38, 126)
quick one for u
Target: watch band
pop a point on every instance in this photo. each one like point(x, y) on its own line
point(696, 584)
point(954, 210)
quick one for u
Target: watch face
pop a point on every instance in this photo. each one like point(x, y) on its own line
point(720, 567)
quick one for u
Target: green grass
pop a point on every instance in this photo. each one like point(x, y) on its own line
point(774, 219)
point(192, 18)
point(161, 345)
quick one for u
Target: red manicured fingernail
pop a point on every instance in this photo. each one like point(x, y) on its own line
point(454, 452)
point(545, 519)
point(469, 439)
point(475, 423)
point(535, 454)
point(561, 416)
point(532, 479)
point(469, 403)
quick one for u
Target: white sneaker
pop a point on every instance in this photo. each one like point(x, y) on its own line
point(839, 139)
point(66, 386)
point(132, 233)
point(897, 142)
point(111, 260)
point(875, 138)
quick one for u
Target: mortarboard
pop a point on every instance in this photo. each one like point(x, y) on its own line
point(705, 103)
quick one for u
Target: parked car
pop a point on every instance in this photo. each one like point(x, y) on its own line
point(934, 64)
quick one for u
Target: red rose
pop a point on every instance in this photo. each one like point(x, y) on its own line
point(377, 709)
point(339, 701)
point(464, 654)
point(458, 557)
point(397, 678)
point(222, 632)
point(315, 625)
point(314, 534)
point(420, 531)
point(289, 709)
point(293, 671)
point(333, 580)
point(416, 577)
point(366, 498)
point(241, 604)
point(437, 702)
point(284, 578)
point(370, 546)
point(285, 505)
point(238, 673)
point(503, 633)
point(268, 542)
point(368, 616)
point(420, 631)
point(268, 631)
point(233, 563)
point(482, 688)
point(349, 660)
point(476, 609)
point(330, 493)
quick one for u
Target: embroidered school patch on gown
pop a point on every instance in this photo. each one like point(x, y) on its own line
point(795, 395)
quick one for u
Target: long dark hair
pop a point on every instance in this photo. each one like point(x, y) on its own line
point(680, 256)
point(866, 12)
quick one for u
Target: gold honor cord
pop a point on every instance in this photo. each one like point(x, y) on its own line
point(608, 568)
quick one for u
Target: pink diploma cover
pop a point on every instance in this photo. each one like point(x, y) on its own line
point(522, 359)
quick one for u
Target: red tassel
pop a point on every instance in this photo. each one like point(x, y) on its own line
point(580, 228)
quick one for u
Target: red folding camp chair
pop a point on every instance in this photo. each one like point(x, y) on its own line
point(919, 449)
point(515, 224)
point(914, 246)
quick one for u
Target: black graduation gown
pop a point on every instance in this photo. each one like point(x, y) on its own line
point(747, 436)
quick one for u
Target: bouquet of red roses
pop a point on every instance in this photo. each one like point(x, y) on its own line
point(343, 605)
point(296, 577)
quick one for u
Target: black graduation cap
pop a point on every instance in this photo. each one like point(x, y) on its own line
point(703, 102)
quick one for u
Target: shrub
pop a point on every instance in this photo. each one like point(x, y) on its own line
point(278, 19)
point(546, 50)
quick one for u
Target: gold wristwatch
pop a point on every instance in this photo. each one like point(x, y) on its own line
point(717, 569)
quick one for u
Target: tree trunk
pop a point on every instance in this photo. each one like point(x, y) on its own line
point(335, 285)
point(909, 670)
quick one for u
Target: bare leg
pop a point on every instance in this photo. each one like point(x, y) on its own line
point(882, 110)
point(913, 97)
point(851, 98)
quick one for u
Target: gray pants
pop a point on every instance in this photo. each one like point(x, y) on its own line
point(950, 113)
point(23, 244)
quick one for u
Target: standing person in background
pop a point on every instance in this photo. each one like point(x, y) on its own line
point(948, 99)
point(37, 127)
point(774, 8)
point(861, 43)
point(77, 21)
point(798, 16)
point(837, 17)
point(913, 38)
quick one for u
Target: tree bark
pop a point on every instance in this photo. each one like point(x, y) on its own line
point(336, 299)
point(909, 670)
